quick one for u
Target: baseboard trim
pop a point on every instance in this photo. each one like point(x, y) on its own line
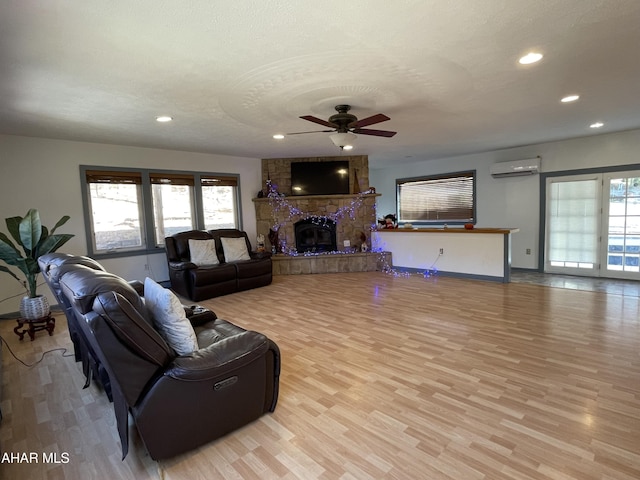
point(442, 273)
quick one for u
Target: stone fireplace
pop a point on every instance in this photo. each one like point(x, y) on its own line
point(359, 210)
point(315, 235)
point(360, 219)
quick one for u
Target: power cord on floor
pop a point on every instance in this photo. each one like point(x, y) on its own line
point(64, 350)
point(2, 340)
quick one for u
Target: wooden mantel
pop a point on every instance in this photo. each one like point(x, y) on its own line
point(304, 198)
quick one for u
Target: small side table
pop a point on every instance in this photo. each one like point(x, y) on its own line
point(47, 323)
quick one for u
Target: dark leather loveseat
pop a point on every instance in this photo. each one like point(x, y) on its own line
point(198, 282)
point(177, 401)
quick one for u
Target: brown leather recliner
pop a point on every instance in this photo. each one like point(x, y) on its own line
point(50, 266)
point(178, 402)
point(199, 283)
point(53, 266)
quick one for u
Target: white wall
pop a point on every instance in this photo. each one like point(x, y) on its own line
point(514, 202)
point(44, 174)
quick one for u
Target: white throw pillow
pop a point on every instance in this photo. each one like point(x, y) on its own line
point(203, 252)
point(235, 249)
point(169, 318)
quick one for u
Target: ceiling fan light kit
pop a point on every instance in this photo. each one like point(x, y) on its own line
point(343, 140)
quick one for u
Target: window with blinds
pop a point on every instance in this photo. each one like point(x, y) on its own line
point(115, 209)
point(220, 207)
point(437, 199)
point(218, 181)
point(135, 210)
point(173, 207)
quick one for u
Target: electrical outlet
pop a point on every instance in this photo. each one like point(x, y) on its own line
point(442, 251)
point(528, 251)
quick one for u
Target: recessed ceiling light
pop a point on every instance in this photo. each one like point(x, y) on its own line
point(531, 57)
point(164, 118)
point(278, 136)
point(596, 125)
point(570, 98)
point(348, 147)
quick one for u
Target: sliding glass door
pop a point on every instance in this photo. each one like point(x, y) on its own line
point(593, 225)
point(621, 250)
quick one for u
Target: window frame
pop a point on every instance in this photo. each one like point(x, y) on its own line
point(146, 205)
point(220, 180)
point(170, 179)
point(450, 175)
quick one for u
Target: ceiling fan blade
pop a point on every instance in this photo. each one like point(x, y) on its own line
point(377, 133)
point(312, 131)
point(317, 120)
point(370, 120)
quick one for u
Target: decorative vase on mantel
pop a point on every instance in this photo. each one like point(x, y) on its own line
point(34, 308)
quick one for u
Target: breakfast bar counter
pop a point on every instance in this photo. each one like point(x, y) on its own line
point(479, 253)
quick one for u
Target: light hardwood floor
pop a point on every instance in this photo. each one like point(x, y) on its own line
point(382, 378)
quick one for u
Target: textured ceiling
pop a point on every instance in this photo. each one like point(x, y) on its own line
point(234, 73)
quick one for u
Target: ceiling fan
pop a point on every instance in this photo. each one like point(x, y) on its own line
point(345, 125)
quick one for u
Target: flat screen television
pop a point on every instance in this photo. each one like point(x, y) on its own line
point(320, 178)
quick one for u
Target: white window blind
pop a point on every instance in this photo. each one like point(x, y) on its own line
point(437, 199)
point(573, 211)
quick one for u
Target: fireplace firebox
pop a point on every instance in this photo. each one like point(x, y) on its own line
point(315, 235)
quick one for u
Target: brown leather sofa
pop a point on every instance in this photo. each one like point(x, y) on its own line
point(52, 267)
point(202, 282)
point(178, 402)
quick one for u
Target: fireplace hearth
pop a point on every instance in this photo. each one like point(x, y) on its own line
point(315, 235)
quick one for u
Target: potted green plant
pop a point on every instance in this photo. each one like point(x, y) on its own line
point(35, 240)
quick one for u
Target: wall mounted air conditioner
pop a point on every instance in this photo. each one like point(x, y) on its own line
point(515, 168)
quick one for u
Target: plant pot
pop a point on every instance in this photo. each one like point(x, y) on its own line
point(34, 308)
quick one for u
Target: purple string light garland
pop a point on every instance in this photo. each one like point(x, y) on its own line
point(279, 204)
